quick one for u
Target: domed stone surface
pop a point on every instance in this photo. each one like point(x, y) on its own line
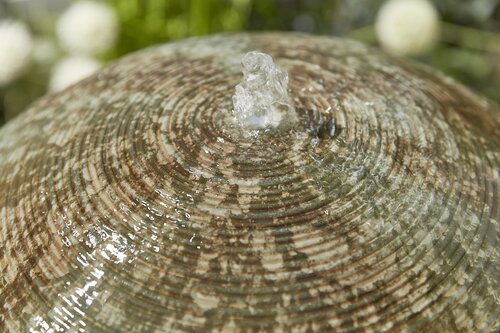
point(133, 202)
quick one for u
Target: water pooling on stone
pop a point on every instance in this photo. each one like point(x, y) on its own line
point(261, 99)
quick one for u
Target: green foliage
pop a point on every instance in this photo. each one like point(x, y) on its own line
point(145, 23)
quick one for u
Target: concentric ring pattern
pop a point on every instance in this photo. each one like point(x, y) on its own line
point(132, 201)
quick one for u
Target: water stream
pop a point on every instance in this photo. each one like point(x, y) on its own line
point(261, 99)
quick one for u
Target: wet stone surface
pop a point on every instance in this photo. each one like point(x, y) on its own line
point(133, 201)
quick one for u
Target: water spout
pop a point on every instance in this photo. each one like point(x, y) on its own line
point(261, 99)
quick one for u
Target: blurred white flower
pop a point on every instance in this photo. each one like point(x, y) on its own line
point(15, 50)
point(72, 70)
point(88, 27)
point(407, 27)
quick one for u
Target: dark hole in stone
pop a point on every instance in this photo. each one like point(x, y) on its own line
point(322, 125)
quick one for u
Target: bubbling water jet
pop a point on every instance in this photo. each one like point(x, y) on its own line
point(261, 99)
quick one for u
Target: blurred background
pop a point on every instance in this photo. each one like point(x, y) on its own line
point(47, 45)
